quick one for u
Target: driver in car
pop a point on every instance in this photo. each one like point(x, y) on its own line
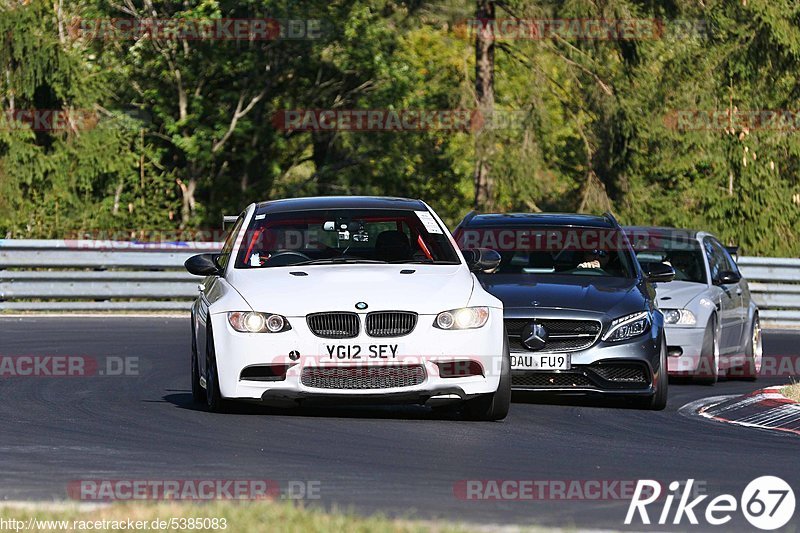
point(594, 259)
point(684, 265)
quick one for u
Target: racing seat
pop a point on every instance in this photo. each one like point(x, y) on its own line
point(392, 245)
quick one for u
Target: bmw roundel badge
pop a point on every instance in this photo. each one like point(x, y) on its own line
point(361, 306)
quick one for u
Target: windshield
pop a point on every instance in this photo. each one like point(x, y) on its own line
point(685, 256)
point(572, 251)
point(344, 236)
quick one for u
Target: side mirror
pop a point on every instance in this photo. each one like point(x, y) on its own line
point(203, 265)
point(480, 259)
point(658, 272)
point(727, 277)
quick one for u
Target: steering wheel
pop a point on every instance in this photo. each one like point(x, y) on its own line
point(286, 258)
point(585, 272)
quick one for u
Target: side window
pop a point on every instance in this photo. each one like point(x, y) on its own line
point(230, 240)
point(725, 259)
point(713, 258)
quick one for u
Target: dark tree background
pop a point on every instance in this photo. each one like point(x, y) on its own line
point(185, 128)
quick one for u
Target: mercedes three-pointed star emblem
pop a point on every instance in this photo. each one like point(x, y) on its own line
point(533, 336)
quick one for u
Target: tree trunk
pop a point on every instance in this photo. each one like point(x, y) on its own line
point(484, 95)
point(188, 202)
point(322, 153)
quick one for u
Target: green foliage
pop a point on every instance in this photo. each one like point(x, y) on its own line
point(594, 124)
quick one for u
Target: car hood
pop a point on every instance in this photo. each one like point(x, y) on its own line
point(678, 294)
point(604, 295)
point(428, 289)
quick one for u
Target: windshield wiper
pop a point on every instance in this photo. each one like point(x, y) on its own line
point(336, 260)
point(424, 262)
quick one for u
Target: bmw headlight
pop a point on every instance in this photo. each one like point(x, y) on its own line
point(254, 322)
point(464, 318)
point(681, 317)
point(628, 327)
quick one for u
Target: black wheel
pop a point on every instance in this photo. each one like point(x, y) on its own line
point(214, 401)
point(658, 401)
point(495, 405)
point(708, 368)
point(198, 393)
point(754, 353)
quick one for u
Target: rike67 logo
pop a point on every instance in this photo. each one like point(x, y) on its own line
point(767, 503)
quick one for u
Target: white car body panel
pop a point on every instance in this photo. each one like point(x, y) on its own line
point(429, 290)
point(338, 288)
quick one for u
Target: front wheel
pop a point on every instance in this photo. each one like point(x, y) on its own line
point(754, 353)
point(214, 401)
point(198, 393)
point(708, 368)
point(658, 401)
point(495, 405)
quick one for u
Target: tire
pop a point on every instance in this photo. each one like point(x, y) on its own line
point(754, 352)
point(198, 392)
point(214, 401)
point(658, 401)
point(708, 368)
point(495, 405)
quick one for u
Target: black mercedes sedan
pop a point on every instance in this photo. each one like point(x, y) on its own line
point(580, 311)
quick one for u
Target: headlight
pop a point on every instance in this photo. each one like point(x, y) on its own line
point(627, 327)
point(464, 318)
point(254, 322)
point(683, 317)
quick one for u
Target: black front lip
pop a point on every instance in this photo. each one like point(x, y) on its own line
point(589, 373)
point(403, 397)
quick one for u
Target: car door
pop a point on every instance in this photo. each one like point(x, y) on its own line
point(726, 299)
point(206, 288)
point(741, 296)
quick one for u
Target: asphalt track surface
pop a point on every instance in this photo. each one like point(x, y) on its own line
point(400, 461)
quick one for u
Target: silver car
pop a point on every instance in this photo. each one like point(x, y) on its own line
point(711, 322)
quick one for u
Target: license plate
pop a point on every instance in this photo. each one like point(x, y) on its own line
point(524, 361)
point(348, 352)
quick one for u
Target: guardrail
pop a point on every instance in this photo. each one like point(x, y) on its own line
point(85, 275)
point(775, 285)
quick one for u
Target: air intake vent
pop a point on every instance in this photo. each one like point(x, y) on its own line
point(333, 325)
point(563, 335)
point(390, 323)
point(363, 377)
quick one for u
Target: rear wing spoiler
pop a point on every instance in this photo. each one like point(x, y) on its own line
point(734, 251)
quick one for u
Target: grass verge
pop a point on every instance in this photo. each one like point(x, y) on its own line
point(792, 391)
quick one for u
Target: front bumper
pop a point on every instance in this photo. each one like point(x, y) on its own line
point(304, 357)
point(684, 346)
point(626, 368)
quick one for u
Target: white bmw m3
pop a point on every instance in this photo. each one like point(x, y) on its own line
point(347, 299)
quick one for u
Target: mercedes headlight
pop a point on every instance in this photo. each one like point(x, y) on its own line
point(464, 318)
point(254, 322)
point(682, 317)
point(628, 327)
